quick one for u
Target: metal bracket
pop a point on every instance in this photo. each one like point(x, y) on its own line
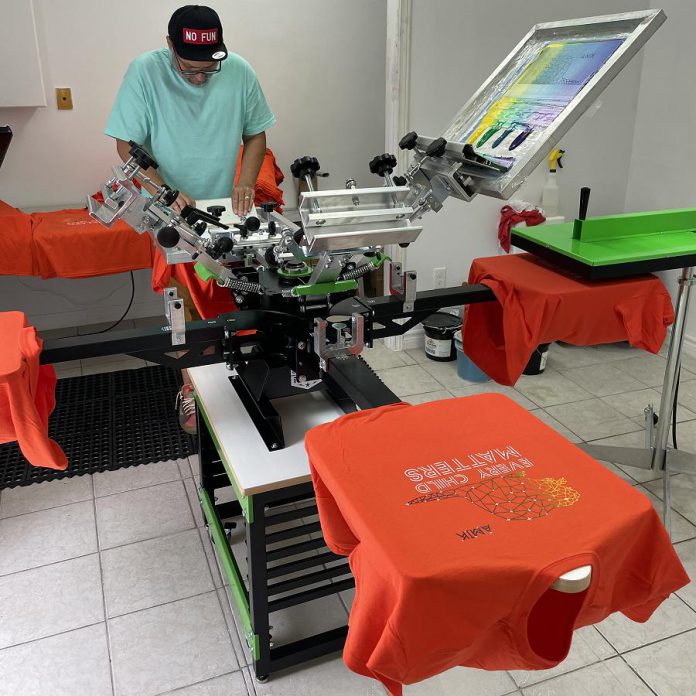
point(403, 284)
point(301, 382)
point(174, 312)
point(327, 269)
point(341, 347)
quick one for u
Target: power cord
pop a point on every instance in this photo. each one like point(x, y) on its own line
point(123, 316)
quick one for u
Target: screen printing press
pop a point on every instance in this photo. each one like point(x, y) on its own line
point(290, 357)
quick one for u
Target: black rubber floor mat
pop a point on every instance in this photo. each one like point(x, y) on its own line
point(107, 421)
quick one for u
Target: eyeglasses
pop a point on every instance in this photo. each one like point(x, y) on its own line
point(191, 73)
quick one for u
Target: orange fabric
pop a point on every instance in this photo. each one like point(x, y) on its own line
point(456, 529)
point(270, 176)
point(209, 298)
point(27, 393)
point(70, 244)
point(537, 304)
point(15, 242)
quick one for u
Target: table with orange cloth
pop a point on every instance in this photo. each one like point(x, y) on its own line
point(538, 304)
point(70, 244)
point(456, 527)
point(27, 393)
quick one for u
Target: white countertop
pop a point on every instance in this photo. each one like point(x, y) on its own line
point(255, 468)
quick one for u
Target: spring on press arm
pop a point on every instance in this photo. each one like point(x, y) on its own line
point(357, 272)
point(241, 286)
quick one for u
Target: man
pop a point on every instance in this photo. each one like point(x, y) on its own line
point(191, 105)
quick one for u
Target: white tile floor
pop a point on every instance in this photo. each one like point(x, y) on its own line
point(108, 583)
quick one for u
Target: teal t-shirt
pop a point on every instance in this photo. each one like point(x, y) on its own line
point(193, 132)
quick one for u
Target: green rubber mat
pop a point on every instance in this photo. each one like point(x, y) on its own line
point(107, 421)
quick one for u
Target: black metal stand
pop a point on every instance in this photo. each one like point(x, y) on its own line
point(281, 528)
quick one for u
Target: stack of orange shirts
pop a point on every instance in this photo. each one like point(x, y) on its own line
point(458, 516)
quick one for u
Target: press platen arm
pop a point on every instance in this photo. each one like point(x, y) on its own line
point(123, 200)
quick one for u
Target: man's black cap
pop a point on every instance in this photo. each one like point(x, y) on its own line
point(196, 33)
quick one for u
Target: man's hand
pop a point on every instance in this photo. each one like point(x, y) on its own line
point(182, 200)
point(242, 198)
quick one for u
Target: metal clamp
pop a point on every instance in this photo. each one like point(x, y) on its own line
point(326, 351)
point(403, 284)
point(174, 312)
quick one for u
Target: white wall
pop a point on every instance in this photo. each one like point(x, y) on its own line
point(320, 62)
point(456, 44)
point(662, 173)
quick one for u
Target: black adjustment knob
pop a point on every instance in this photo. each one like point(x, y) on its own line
point(222, 246)
point(469, 152)
point(169, 196)
point(168, 237)
point(199, 227)
point(268, 206)
point(141, 156)
point(304, 166)
point(269, 255)
point(436, 148)
point(408, 142)
point(216, 210)
point(400, 181)
point(383, 164)
point(251, 224)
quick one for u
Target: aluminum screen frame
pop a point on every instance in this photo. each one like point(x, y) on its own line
point(635, 28)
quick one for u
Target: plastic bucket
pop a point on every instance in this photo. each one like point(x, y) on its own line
point(467, 369)
point(537, 363)
point(439, 336)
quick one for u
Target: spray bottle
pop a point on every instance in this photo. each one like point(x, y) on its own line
point(550, 195)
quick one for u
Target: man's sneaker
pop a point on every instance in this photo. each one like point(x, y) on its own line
point(186, 406)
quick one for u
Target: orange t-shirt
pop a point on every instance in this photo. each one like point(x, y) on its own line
point(458, 516)
point(15, 242)
point(70, 244)
point(539, 304)
point(27, 393)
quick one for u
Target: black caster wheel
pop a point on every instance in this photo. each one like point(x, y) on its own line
point(263, 679)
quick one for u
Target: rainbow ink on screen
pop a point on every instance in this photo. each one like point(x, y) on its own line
point(538, 96)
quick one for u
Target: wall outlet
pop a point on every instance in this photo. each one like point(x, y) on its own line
point(64, 98)
point(439, 277)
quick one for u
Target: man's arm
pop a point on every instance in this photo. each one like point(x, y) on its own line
point(252, 159)
point(122, 147)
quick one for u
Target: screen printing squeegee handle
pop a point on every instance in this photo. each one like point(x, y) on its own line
point(584, 202)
